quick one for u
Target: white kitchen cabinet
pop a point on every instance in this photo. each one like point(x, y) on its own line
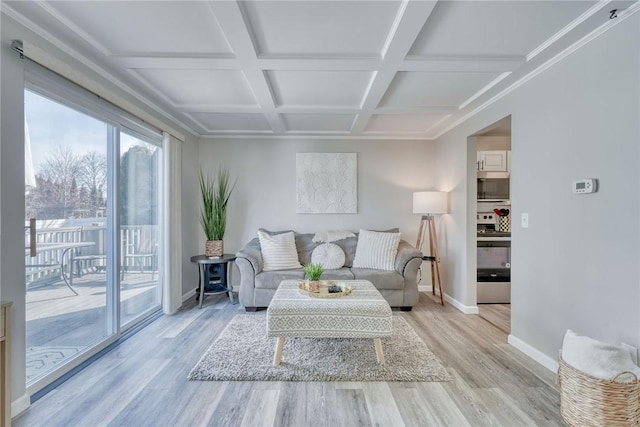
point(492, 161)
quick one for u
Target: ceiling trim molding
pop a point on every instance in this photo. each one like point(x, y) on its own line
point(410, 19)
point(597, 32)
point(73, 27)
point(485, 89)
point(388, 137)
point(91, 65)
point(233, 22)
point(567, 29)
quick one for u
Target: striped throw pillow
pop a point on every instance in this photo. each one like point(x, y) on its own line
point(376, 250)
point(278, 251)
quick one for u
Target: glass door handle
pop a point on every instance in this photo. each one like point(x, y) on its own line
point(32, 237)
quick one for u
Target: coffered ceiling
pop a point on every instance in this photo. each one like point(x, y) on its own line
point(362, 69)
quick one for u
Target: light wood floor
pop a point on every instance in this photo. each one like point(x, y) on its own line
point(143, 383)
point(499, 315)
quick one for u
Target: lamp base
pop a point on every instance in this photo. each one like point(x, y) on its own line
point(433, 256)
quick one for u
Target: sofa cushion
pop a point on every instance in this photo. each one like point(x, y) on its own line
point(376, 250)
point(339, 274)
point(348, 245)
point(278, 251)
point(272, 279)
point(328, 255)
point(305, 247)
point(381, 279)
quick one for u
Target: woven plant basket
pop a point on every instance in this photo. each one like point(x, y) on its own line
point(214, 248)
point(589, 401)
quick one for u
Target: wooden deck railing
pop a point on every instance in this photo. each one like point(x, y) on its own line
point(138, 249)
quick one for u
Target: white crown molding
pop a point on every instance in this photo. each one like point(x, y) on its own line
point(389, 138)
point(73, 27)
point(485, 89)
point(342, 133)
point(394, 28)
point(543, 67)
point(32, 26)
point(567, 29)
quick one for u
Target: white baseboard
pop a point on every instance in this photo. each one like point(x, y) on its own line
point(534, 353)
point(190, 294)
point(20, 405)
point(466, 309)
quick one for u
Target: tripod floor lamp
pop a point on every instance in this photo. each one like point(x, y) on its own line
point(428, 204)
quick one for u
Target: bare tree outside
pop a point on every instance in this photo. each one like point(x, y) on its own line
point(93, 178)
point(68, 185)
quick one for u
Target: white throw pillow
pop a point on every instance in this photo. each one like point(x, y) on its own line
point(278, 251)
point(329, 255)
point(376, 250)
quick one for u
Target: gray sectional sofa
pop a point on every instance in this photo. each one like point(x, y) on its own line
point(398, 287)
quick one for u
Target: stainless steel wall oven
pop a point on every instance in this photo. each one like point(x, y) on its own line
point(494, 272)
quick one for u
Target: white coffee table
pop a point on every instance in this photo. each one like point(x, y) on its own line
point(362, 314)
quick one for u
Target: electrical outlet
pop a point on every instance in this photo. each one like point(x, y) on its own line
point(524, 220)
point(632, 351)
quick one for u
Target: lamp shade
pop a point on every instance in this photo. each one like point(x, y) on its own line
point(429, 202)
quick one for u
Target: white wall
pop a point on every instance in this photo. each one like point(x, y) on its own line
point(487, 143)
point(576, 266)
point(265, 195)
point(12, 280)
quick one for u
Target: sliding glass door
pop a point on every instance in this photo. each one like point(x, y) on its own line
point(65, 240)
point(139, 233)
point(92, 241)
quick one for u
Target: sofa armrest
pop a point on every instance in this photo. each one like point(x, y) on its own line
point(406, 253)
point(251, 253)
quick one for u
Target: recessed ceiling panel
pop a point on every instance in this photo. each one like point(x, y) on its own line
point(147, 26)
point(210, 87)
point(425, 89)
point(320, 28)
point(319, 122)
point(402, 123)
point(493, 27)
point(319, 88)
point(232, 121)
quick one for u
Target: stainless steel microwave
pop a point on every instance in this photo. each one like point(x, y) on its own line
point(493, 185)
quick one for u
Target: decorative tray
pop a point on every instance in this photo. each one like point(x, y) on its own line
point(324, 289)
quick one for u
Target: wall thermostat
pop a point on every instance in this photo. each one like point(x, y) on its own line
point(585, 186)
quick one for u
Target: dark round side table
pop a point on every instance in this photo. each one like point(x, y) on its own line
point(223, 285)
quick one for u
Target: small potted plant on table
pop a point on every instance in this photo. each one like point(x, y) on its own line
point(313, 272)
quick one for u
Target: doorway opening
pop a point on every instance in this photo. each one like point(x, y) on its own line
point(493, 223)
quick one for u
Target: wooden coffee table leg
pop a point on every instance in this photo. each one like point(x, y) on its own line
point(278, 355)
point(379, 352)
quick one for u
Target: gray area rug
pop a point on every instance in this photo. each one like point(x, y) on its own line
point(243, 352)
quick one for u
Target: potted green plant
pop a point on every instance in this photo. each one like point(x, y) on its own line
point(213, 216)
point(313, 272)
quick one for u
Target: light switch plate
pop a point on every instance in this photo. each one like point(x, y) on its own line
point(524, 220)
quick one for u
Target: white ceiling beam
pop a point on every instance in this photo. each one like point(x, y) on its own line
point(177, 62)
point(412, 16)
point(471, 64)
point(415, 63)
point(240, 39)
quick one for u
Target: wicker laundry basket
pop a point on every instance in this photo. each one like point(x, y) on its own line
point(589, 401)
